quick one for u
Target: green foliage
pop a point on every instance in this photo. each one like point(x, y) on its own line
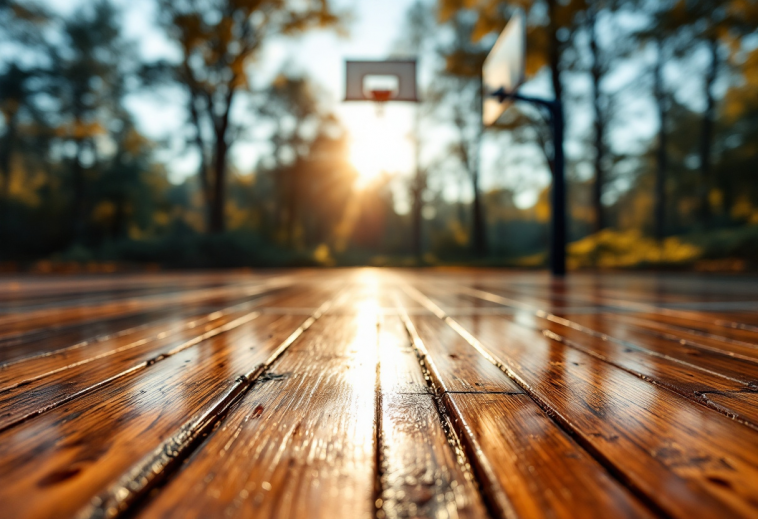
point(612, 249)
point(232, 249)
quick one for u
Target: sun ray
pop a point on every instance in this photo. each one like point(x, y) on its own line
point(379, 144)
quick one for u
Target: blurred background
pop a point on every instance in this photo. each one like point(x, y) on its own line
point(212, 133)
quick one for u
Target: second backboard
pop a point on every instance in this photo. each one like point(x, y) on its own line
point(504, 67)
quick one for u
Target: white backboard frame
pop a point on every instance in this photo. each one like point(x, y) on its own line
point(504, 67)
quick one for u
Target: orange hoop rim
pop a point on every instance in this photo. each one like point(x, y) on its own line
point(381, 96)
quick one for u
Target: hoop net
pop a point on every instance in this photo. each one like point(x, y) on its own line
point(380, 97)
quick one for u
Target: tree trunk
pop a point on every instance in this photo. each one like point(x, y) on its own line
point(597, 73)
point(416, 216)
point(217, 221)
point(79, 201)
point(554, 57)
point(203, 166)
point(6, 156)
point(293, 200)
point(707, 134)
point(5, 197)
point(119, 230)
point(661, 154)
point(480, 237)
point(417, 193)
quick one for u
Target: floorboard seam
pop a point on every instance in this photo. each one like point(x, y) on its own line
point(379, 512)
point(137, 367)
point(554, 416)
point(154, 469)
point(496, 505)
point(204, 319)
point(691, 396)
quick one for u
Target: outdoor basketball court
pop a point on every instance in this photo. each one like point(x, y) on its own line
point(382, 393)
point(378, 393)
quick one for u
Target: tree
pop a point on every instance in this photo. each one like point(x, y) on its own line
point(716, 25)
point(660, 36)
point(87, 78)
point(302, 131)
point(462, 89)
point(218, 40)
point(418, 33)
point(739, 129)
point(20, 25)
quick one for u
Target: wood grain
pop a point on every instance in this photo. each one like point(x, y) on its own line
point(298, 445)
point(422, 469)
point(423, 473)
point(713, 358)
point(539, 470)
point(435, 393)
point(53, 465)
point(454, 365)
point(692, 370)
point(652, 437)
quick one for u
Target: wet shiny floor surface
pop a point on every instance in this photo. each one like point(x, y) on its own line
point(379, 393)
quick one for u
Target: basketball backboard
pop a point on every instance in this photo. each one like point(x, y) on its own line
point(504, 67)
point(380, 81)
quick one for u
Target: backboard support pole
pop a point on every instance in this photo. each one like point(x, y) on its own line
point(558, 224)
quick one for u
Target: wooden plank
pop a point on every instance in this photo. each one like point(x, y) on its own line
point(747, 320)
point(96, 345)
point(40, 341)
point(744, 369)
point(702, 322)
point(527, 466)
point(38, 396)
point(454, 302)
point(651, 437)
point(421, 473)
point(739, 348)
point(300, 445)
point(535, 468)
point(656, 365)
point(30, 369)
point(53, 465)
point(677, 376)
point(671, 365)
point(635, 328)
point(453, 365)
point(421, 467)
point(25, 287)
point(400, 371)
point(741, 404)
point(15, 323)
point(42, 390)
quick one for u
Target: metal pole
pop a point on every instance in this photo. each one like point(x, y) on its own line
point(558, 231)
point(558, 227)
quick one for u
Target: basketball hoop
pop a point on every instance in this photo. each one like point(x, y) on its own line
point(380, 82)
point(379, 97)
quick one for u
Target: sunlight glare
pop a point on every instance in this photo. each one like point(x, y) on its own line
point(379, 144)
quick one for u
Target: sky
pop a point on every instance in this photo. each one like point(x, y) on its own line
point(320, 55)
point(379, 143)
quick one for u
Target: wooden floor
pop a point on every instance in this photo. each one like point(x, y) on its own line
point(379, 393)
